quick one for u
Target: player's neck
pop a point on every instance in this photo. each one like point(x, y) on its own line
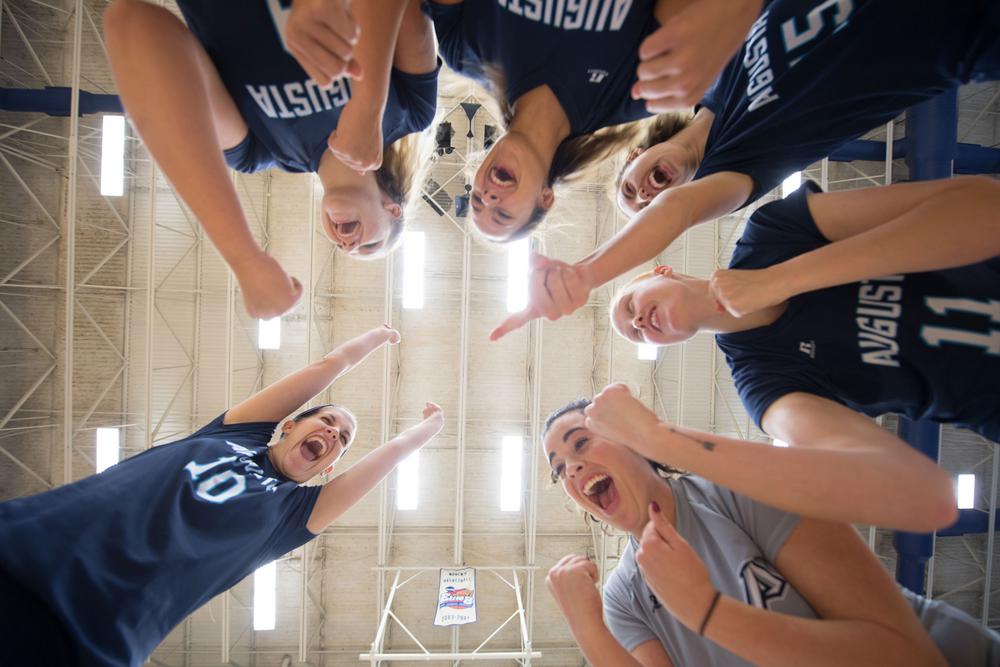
point(694, 137)
point(713, 319)
point(335, 174)
point(540, 118)
point(660, 493)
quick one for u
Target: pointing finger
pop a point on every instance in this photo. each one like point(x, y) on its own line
point(663, 527)
point(512, 323)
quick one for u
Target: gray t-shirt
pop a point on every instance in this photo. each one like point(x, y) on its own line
point(739, 539)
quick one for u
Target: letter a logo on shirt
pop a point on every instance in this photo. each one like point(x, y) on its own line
point(762, 583)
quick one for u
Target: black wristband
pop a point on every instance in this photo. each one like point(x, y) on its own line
point(708, 614)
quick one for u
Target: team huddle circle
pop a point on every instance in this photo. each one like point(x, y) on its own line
point(309, 303)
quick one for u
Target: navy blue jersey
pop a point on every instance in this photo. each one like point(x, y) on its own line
point(585, 51)
point(816, 73)
point(122, 557)
point(288, 115)
point(926, 345)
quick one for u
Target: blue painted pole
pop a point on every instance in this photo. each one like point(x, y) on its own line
point(970, 522)
point(969, 158)
point(55, 101)
point(913, 550)
point(932, 128)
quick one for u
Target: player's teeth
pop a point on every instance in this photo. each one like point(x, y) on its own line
point(593, 482)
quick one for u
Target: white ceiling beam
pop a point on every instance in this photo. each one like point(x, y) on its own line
point(69, 238)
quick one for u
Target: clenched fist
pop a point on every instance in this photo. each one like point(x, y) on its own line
point(572, 583)
point(618, 416)
point(321, 35)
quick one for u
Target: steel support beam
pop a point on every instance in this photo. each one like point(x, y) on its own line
point(531, 509)
point(69, 237)
point(150, 309)
point(228, 390)
point(988, 574)
point(460, 427)
point(932, 128)
point(385, 432)
point(310, 309)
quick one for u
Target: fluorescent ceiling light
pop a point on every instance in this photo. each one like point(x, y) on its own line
point(510, 473)
point(107, 448)
point(780, 443)
point(517, 275)
point(113, 156)
point(791, 184)
point(406, 482)
point(265, 596)
point(647, 351)
point(413, 270)
point(269, 334)
point(966, 492)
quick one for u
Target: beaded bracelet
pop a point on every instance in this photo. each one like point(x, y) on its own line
point(708, 614)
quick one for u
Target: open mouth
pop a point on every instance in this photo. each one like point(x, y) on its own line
point(654, 320)
point(502, 177)
point(601, 490)
point(659, 177)
point(313, 449)
point(347, 228)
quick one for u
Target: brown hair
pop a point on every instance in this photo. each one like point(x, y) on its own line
point(655, 131)
point(403, 163)
point(579, 405)
point(665, 472)
point(574, 157)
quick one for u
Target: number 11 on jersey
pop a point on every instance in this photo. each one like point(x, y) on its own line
point(935, 336)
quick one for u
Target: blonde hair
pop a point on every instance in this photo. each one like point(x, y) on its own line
point(638, 278)
point(399, 177)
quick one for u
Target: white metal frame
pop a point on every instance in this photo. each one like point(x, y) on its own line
point(378, 655)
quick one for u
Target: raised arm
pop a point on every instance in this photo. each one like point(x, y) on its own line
point(357, 140)
point(840, 465)
point(277, 400)
point(863, 619)
point(180, 107)
point(669, 215)
point(340, 493)
point(559, 289)
point(904, 228)
point(571, 582)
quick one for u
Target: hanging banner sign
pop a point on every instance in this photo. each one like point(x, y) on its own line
point(456, 597)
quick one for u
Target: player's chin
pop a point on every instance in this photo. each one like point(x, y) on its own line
point(655, 339)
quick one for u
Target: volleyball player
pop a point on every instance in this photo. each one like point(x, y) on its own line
point(99, 571)
point(226, 89)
